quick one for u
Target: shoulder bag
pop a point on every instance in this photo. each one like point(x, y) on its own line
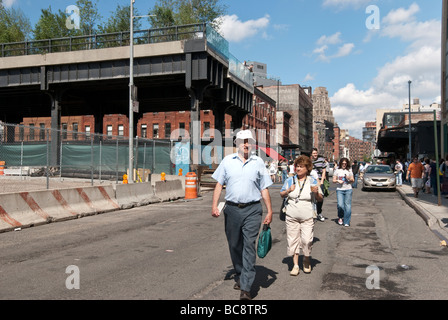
point(264, 241)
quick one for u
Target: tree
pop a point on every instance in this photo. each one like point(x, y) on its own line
point(181, 12)
point(88, 11)
point(52, 25)
point(14, 25)
point(119, 21)
point(163, 16)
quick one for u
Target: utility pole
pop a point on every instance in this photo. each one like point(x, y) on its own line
point(131, 97)
point(133, 103)
point(410, 134)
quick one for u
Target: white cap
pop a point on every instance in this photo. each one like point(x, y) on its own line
point(245, 134)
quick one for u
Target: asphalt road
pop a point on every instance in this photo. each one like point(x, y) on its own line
point(177, 251)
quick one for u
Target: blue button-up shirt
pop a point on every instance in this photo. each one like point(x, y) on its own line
point(244, 181)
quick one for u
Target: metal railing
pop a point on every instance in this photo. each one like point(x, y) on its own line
point(101, 41)
point(119, 39)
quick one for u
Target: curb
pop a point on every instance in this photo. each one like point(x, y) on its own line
point(432, 222)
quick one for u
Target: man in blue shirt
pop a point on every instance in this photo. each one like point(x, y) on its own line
point(247, 181)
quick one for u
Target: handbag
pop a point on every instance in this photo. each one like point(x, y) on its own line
point(326, 188)
point(264, 241)
point(282, 214)
point(283, 209)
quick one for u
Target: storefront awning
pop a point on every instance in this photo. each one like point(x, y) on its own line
point(272, 153)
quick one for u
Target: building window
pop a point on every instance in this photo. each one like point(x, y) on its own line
point(182, 129)
point(109, 131)
point(155, 130)
point(144, 131)
point(31, 131)
point(42, 131)
point(75, 130)
point(167, 130)
point(206, 129)
point(87, 132)
point(21, 133)
point(64, 131)
point(120, 130)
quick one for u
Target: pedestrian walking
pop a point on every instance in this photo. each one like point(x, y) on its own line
point(426, 177)
point(415, 173)
point(284, 167)
point(344, 178)
point(273, 171)
point(320, 166)
point(291, 168)
point(398, 173)
point(444, 177)
point(246, 180)
point(433, 176)
point(355, 171)
point(302, 191)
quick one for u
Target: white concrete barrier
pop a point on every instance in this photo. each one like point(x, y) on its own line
point(26, 209)
point(135, 194)
point(157, 177)
point(169, 190)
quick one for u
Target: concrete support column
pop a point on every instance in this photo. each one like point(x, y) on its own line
point(55, 135)
point(195, 130)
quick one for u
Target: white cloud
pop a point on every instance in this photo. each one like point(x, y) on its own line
point(342, 4)
point(333, 39)
point(8, 3)
point(401, 15)
point(345, 50)
point(235, 30)
point(324, 43)
point(389, 89)
point(309, 77)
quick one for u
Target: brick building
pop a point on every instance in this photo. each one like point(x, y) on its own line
point(158, 125)
point(74, 128)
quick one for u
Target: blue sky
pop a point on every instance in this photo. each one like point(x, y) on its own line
point(326, 43)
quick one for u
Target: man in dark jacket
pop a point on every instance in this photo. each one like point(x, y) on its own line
point(355, 170)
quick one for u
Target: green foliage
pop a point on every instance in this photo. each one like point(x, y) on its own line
point(14, 25)
point(88, 12)
point(182, 12)
point(52, 25)
point(119, 20)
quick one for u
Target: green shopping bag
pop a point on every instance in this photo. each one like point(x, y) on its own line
point(264, 241)
point(326, 188)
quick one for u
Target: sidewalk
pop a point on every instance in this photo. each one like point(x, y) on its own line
point(426, 205)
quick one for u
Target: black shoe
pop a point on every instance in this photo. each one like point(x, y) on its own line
point(237, 285)
point(245, 295)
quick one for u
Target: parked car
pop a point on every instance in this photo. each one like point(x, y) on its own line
point(330, 169)
point(378, 177)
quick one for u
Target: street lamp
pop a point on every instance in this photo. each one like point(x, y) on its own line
point(133, 103)
point(410, 139)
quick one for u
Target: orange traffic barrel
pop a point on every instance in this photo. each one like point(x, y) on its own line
point(191, 183)
point(2, 168)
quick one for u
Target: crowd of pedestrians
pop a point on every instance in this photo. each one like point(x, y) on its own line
point(304, 186)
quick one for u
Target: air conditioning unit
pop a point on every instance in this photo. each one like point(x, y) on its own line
point(265, 119)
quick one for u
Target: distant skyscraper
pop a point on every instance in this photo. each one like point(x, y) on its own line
point(321, 107)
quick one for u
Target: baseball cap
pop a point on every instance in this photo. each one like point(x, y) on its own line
point(245, 134)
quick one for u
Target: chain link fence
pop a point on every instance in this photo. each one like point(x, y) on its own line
point(33, 158)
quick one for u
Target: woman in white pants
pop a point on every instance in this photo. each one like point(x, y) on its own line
point(302, 191)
